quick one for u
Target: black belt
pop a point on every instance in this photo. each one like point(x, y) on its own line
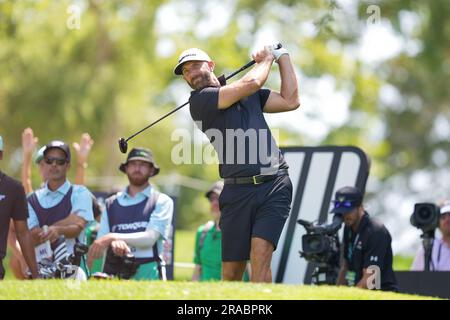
point(258, 179)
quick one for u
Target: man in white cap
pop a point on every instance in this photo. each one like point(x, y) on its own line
point(440, 255)
point(13, 206)
point(256, 198)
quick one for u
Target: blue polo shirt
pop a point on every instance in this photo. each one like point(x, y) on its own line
point(239, 134)
point(160, 219)
point(81, 200)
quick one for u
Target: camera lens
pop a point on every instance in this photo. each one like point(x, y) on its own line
point(314, 244)
point(424, 214)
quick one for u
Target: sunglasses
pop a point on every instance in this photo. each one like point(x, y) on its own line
point(59, 161)
point(343, 204)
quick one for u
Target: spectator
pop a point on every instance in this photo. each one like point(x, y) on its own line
point(136, 220)
point(63, 207)
point(367, 245)
point(29, 142)
point(440, 254)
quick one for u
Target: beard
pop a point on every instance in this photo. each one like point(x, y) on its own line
point(201, 81)
point(138, 180)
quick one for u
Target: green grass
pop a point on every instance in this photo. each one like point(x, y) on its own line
point(182, 290)
point(184, 252)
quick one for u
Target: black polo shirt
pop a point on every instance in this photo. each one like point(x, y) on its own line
point(13, 205)
point(239, 134)
point(370, 246)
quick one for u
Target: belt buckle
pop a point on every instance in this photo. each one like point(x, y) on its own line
point(254, 180)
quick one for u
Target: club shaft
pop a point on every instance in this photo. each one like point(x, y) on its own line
point(241, 69)
point(155, 122)
point(178, 108)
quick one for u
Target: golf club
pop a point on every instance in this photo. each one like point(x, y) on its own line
point(123, 143)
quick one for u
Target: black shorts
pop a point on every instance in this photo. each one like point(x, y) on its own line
point(249, 211)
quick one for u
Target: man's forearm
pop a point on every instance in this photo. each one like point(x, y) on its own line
point(69, 231)
point(289, 85)
point(72, 219)
point(364, 280)
point(26, 244)
point(342, 271)
point(138, 239)
point(35, 238)
point(259, 73)
point(246, 86)
point(80, 173)
point(26, 173)
point(341, 278)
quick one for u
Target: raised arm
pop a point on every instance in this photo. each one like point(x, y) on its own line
point(83, 149)
point(287, 99)
point(29, 142)
point(250, 83)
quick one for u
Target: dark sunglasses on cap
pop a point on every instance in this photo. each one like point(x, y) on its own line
point(59, 161)
point(343, 204)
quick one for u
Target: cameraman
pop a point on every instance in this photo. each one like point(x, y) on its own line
point(367, 244)
point(440, 256)
point(135, 221)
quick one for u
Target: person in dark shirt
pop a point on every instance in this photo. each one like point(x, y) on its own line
point(13, 205)
point(256, 198)
point(367, 259)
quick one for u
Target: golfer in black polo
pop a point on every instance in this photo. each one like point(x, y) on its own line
point(367, 245)
point(256, 198)
point(13, 205)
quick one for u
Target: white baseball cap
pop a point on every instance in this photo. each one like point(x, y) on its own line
point(1, 143)
point(192, 54)
point(445, 208)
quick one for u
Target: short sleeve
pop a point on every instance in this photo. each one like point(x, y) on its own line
point(376, 249)
point(82, 203)
point(204, 106)
point(20, 206)
point(161, 217)
point(104, 225)
point(263, 97)
point(32, 221)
